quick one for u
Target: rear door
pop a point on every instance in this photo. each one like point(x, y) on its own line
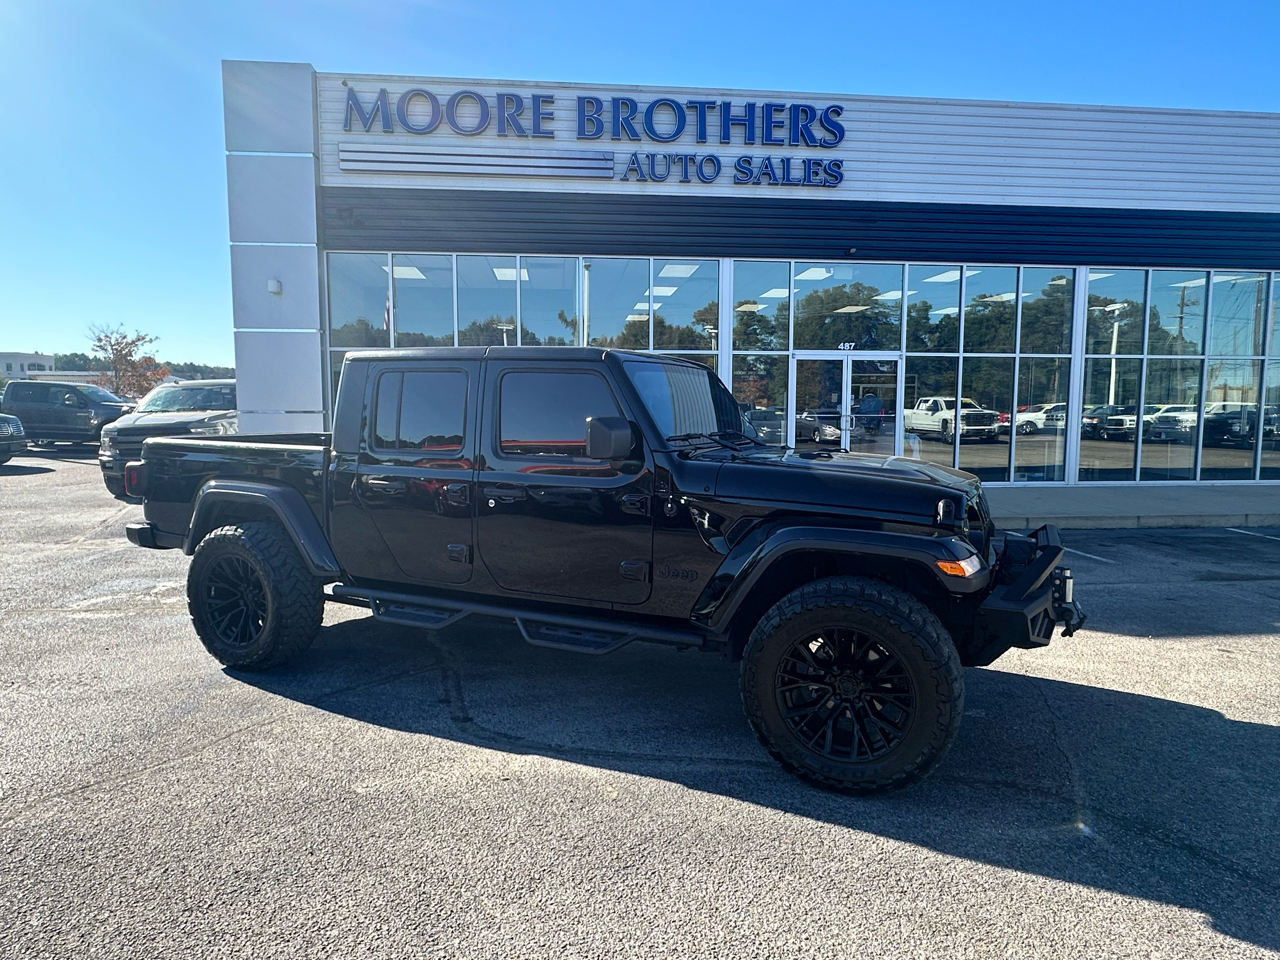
point(550, 521)
point(29, 402)
point(416, 474)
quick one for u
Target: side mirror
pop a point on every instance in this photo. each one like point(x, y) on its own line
point(608, 438)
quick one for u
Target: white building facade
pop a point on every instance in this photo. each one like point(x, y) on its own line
point(1076, 300)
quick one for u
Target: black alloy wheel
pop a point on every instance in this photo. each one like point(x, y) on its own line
point(236, 601)
point(845, 695)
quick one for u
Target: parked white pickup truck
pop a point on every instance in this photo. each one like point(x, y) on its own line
point(1042, 416)
point(936, 416)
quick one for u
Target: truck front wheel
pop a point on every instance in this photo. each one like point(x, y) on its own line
point(253, 602)
point(853, 685)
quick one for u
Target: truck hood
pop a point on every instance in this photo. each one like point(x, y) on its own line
point(887, 484)
point(154, 424)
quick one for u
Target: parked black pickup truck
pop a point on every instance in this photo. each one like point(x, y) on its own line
point(597, 497)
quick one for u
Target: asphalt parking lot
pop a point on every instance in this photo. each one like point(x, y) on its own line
point(396, 795)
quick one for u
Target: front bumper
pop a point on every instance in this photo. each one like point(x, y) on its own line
point(112, 466)
point(9, 447)
point(1023, 613)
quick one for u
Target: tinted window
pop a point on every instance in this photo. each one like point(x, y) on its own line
point(64, 395)
point(28, 393)
point(544, 414)
point(102, 396)
point(684, 399)
point(421, 411)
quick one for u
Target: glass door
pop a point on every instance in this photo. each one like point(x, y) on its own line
point(844, 402)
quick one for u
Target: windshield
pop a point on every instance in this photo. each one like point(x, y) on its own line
point(102, 396)
point(685, 399)
point(174, 399)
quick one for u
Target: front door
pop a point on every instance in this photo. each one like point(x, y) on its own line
point(551, 521)
point(844, 401)
point(416, 475)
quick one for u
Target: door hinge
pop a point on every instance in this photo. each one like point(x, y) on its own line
point(460, 552)
point(635, 570)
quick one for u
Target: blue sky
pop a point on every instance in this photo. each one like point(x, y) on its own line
point(112, 175)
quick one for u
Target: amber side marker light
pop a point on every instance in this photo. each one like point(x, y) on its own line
point(960, 568)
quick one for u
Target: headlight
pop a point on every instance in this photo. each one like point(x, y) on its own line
point(104, 443)
point(214, 426)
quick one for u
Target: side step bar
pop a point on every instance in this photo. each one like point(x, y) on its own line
point(580, 634)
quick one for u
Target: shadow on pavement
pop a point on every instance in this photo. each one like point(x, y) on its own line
point(62, 451)
point(1142, 796)
point(12, 469)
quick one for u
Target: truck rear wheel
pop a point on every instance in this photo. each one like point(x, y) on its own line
point(853, 685)
point(253, 602)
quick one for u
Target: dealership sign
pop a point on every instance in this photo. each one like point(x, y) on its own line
point(513, 118)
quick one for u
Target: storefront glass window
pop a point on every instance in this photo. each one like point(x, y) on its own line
point(873, 406)
point(848, 306)
point(1230, 427)
point(1047, 295)
point(760, 387)
point(933, 309)
point(1115, 311)
point(1239, 314)
point(991, 309)
point(549, 301)
point(486, 301)
point(1171, 430)
point(929, 405)
point(1274, 349)
point(706, 359)
point(761, 305)
point(1271, 422)
point(689, 291)
point(359, 300)
point(1041, 447)
point(1109, 421)
point(985, 426)
point(1176, 313)
point(616, 293)
point(423, 300)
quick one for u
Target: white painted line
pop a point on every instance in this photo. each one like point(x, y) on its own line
point(1091, 556)
point(1250, 533)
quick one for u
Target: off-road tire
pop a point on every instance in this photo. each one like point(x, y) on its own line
point(907, 629)
point(294, 599)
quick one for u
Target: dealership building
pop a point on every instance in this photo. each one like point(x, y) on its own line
point(1079, 304)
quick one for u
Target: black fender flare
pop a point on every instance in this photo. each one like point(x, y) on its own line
point(755, 556)
point(289, 508)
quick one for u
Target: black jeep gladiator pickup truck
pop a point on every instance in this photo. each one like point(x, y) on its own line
point(597, 497)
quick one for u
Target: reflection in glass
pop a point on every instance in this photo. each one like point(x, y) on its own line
point(616, 294)
point(1273, 350)
point(335, 373)
point(1041, 418)
point(486, 301)
point(1239, 314)
point(760, 387)
point(991, 311)
point(359, 301)
point(818, 406)
point(1170, 432)
point(848, 306)
point(686, 304)
point(1047, 295)
point(1177, 313)
point(549, 301)
point(929, 403)
point(761, 305)
point(873, 406)
point(933, 308)
point(988, 385)
point(423, 301)
point(1109, 421)
point(1230, 428)
point(1271, 423)
point(706, 359)
point(1116, 299)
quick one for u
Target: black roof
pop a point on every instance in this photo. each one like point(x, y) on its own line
point(481, 353)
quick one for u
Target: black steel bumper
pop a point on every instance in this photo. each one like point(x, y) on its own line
point(148, 535)
point(1023, 613)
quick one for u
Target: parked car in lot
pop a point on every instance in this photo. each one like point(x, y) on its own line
point(818, 426)
point(62, 411)
point(193, 408)
point(1093, 422)
point(1174, 422)
point(770, 424)
point(596, 497)
point(12, 437)
point(1041, 416)
point(1124, 425)
point(936, 417)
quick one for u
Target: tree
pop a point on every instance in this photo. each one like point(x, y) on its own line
point(79, 361)
point(128, 374)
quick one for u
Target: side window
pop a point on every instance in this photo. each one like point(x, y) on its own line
point(544, 413)
point(58, 395)
point(421, 410)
